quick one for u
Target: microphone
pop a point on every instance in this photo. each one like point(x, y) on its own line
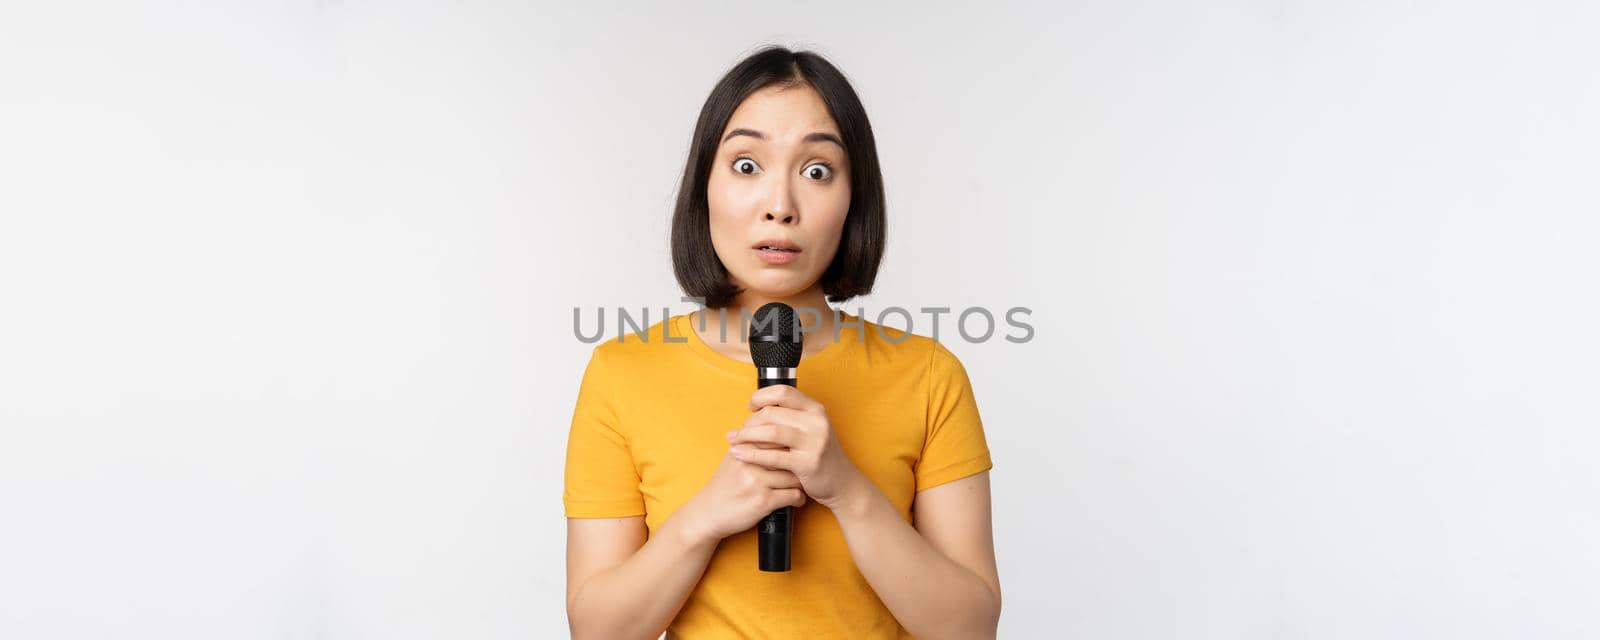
point(775, 343)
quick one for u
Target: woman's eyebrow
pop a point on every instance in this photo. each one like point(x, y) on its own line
point(819, 136)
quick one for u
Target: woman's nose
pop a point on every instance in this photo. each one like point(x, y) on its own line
point(782, 208)
point(785, 218)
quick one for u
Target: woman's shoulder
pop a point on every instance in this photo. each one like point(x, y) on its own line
point(890, 345)
point(631, 342)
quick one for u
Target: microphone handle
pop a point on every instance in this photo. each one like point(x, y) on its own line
point(774, 532)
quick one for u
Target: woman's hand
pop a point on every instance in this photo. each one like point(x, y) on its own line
point(738, 496)
point(790, 432)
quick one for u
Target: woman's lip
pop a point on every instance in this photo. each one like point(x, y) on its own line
point(777, 257)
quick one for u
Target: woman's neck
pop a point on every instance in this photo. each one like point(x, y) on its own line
point(810, 306)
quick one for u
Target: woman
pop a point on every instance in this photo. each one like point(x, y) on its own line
point(880, 450)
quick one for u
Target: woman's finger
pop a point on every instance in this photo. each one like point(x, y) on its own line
point(776, 479)
point(791, 497)
point(784, 396)
point(769, 458)
point(781, 415)
point(779, 434)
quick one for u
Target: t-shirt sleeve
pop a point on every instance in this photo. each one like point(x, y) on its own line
point(600, 480)
point(955, 446)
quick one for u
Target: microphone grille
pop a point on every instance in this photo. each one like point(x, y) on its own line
point(775, 339)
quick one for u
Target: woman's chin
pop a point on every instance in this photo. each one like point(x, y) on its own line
point(768, 286)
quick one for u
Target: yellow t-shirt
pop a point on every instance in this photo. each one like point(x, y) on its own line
point(650, 428)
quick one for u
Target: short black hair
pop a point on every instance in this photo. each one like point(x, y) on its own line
point(855, 265)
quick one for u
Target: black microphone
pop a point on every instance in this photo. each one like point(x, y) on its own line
point(775, 343)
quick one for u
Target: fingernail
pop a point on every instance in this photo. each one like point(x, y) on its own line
point(733, 433)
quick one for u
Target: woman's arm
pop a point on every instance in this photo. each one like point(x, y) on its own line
point(620, 585)
point(939, 578)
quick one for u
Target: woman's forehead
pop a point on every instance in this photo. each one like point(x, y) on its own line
point(783, 114)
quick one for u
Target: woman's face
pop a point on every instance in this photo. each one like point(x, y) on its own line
point(780, 177)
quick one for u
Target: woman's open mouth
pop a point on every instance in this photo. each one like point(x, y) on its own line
point(777, 254)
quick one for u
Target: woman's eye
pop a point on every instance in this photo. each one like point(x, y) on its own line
point(746, 166)
point(819, 171)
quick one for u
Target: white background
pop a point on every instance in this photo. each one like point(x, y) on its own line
point(286, 299)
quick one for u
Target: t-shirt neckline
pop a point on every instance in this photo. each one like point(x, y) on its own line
point(849, 326)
